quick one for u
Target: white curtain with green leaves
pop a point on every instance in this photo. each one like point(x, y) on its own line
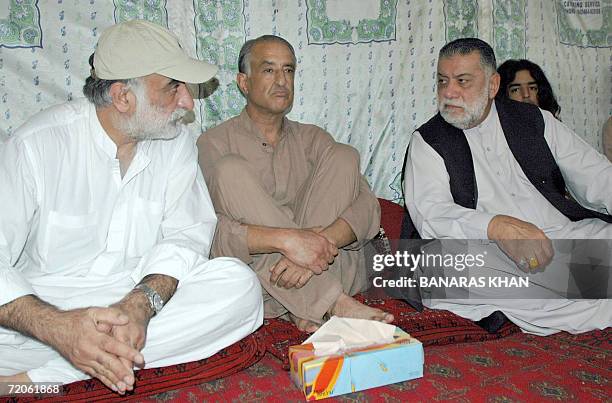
point(366, 68)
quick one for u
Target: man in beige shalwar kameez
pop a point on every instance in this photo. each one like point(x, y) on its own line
point(291, 202)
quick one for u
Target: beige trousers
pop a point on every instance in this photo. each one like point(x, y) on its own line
point(332, 186)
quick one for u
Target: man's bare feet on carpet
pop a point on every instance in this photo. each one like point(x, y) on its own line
point(304, 324)
point(348, 307)
point(345, 307)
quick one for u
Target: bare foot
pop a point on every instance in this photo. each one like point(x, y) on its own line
point(304, 324)
point(21, 377)
point(348, 307)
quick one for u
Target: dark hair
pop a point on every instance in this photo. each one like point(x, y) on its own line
point(465, 46)
point(245, 51)
point(96, 90)
point(546, 97)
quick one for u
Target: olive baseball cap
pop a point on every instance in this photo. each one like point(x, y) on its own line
point(138, 48)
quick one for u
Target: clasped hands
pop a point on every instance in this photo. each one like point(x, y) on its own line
point(105, 343)
point(306, 252)
point(524, 243)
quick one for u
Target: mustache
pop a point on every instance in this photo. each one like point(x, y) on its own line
point(446, 102)
point(178, 116)
point(280, 89)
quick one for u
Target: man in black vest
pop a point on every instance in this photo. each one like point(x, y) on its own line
point(503, 171)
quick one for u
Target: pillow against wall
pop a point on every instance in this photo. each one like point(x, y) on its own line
point(393, 219)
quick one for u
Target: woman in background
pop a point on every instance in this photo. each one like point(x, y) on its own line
point(524, 81)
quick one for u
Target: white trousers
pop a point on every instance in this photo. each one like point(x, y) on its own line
point(538, 309)
point(217, 304)
point(540, 317)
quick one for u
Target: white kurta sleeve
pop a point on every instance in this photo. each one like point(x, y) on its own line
point(587, 173)
point(18, 201)
point(189, 220)
point(429, 200)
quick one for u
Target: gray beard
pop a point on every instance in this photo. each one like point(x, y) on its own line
point(153, 126)
point(149, 122)
point(472, 113)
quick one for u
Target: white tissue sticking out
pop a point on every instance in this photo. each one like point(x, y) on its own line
point(340, 334)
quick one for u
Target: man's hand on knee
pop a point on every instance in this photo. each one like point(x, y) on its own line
point(309, 249)
point(82, 338)
point(287, 274)
point(524, 243)
point(133, 333)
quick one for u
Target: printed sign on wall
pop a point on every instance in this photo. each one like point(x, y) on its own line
point(585, 22)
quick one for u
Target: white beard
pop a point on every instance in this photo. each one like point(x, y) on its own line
point(472, 114)
point(149, 121)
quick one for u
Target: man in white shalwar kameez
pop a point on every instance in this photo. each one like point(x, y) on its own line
point(106, 226)
point(512, 197)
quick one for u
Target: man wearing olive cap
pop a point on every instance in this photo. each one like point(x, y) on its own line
point(106, 226)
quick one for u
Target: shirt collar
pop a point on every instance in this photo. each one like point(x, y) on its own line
point(99, 135)
point(252, 131)
point(487, 124)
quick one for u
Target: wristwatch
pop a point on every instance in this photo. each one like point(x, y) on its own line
point(155, 300)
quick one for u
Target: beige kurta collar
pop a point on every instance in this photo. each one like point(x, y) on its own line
point(251, 130)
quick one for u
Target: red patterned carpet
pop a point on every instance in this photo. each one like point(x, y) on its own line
point(518, 368)
point(149, 382)
point(462, 363)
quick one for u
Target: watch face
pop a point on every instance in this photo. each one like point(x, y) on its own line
point(157, 303)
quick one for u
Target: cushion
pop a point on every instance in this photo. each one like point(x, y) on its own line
point(391, 218)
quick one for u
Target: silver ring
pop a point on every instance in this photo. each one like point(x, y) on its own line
point(523, 264)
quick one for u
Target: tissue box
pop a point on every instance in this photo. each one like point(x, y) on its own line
point(320, 377)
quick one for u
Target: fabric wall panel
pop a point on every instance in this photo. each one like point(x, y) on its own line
point(366, 68)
